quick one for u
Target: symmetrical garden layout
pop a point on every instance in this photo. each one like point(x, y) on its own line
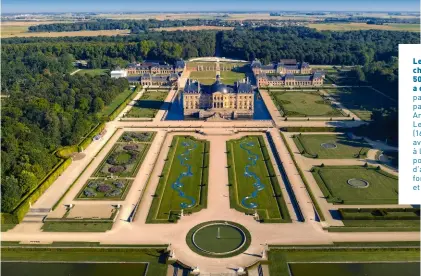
point(252, 180)
point(303, 104)
point(114, 176)
point(354, 185)
point(183, 181)
point(331, 146)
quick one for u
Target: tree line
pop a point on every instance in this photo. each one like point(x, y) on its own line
point(136, 26)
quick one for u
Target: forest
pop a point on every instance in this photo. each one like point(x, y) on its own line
point(135, 26)
point(48, 108)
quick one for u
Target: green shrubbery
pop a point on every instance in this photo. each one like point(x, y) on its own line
point(380, 214)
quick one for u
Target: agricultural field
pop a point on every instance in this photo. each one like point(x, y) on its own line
point(408, 260)
point(20, 32)
point(303, 104)
point(252, 180)
point(364, 26)
point(70, 258)
point(330, 146)
point(354, 185)
point(17, 28)
point(183, 181)
point(361, 100)
point(103, 189)
point(148, 105)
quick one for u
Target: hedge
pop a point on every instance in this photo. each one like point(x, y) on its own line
point(65, 152)
point(120, 108)
point(88, 139)
point(380, 213)
point(20, 211)
point(315, 129)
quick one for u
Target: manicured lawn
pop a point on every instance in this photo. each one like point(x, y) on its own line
point(346, 148)
point(279, 259)
point(80, 269)
point(115, 103)
point(229, 77)
point(303, 104)
point(148, 105)
point(183, 181)
point(362, 100)
point(355, 269)
point(332, 180)
point(252, 180)
point(154, 257)
point(78, 226)
point(104, 189)
point(93, 72)
point(203, 75)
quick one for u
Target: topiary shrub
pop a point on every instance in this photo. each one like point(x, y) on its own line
point(103, 188)
point(119, 184)
point(116, 169)
point(131, 147)
point(89, 193)
point(114, 193)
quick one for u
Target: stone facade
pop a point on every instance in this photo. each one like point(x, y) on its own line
point(229, 102)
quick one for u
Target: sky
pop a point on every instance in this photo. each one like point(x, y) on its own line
point(33, 6)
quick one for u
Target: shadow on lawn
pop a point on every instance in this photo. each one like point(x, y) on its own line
point(161, 105)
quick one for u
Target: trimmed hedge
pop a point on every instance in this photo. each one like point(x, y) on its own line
point(380, 214)
point(20, 211)
point(315, 129)
point(65, 152)
point(88, 139)
point(120, 108)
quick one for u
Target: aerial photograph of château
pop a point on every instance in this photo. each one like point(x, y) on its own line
point(204, 138)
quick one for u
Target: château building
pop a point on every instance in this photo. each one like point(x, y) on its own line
point(315, 79)
point(155, 68)
point(284, 66)
point(218, 99)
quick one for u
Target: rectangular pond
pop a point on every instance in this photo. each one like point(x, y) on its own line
point(72, 269)
point(355, 269)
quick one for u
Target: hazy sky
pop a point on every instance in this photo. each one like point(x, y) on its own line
point(27, 6)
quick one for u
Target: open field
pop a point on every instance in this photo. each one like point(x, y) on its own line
point(183, 181)
point(193, 28)
point(342, 147)
point(252, 180)
point(303, 104)
point(14, 28)
point(361, 100)
point(333, 181)
point(148, 105)
point(123, 160)
point(355, 269)
point(280, 258)
point(118, 257)
point(22, 33)
point(364, 26)
point(93, 72)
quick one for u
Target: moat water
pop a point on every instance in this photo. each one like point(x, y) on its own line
point(175, 111)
